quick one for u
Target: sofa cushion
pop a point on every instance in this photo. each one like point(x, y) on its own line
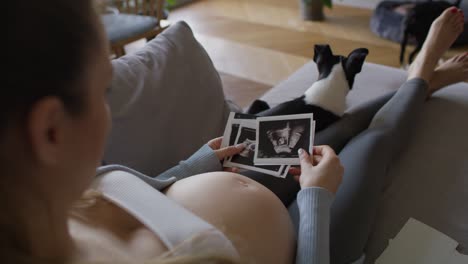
point(166, 102)
point(428, 182)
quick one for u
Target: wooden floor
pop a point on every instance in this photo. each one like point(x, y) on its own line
point(255, 44)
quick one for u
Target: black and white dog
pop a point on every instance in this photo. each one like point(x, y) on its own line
point(326, 98)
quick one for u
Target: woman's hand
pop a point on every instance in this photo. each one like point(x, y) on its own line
point(322, 169)
point(222, 153)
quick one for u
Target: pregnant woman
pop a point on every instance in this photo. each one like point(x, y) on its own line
point(54, 121)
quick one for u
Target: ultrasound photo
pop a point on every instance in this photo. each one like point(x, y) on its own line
point(232, 126)
point(281, 137)
point(284, 171)
point(233, 136)
point(245, 159)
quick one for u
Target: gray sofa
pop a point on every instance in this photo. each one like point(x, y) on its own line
point(167, 101)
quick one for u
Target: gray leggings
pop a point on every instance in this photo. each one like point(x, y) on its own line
point(368, 139)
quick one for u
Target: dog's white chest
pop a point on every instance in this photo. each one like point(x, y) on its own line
point(330, 93)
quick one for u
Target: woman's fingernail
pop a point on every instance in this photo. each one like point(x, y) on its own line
point(240, 146)
point(300, 152)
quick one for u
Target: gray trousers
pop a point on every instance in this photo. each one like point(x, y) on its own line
point(368, 139)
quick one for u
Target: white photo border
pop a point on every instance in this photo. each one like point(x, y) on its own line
point(284, 161)
point(228, 130)
point(229, 163)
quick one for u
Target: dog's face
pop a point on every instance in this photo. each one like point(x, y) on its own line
point(352, 64)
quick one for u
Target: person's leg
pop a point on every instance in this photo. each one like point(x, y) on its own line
point(367, 157)
point(336, 135)
point(351, 124)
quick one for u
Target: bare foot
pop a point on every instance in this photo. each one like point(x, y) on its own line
point(443, 33)
point(450, 72)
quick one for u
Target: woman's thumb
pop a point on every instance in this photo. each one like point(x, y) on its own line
point(230, 151)
point(304, 158)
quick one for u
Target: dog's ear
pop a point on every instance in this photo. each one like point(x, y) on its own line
point(322, 50)
point(355, 60)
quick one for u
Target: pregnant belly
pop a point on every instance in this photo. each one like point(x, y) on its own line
point(250, 215)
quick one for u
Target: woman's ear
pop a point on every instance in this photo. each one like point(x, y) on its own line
point(46, 128)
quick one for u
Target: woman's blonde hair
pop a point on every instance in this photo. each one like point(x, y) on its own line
point(55, 65)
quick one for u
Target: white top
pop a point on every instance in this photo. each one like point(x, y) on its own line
point(174, 225)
